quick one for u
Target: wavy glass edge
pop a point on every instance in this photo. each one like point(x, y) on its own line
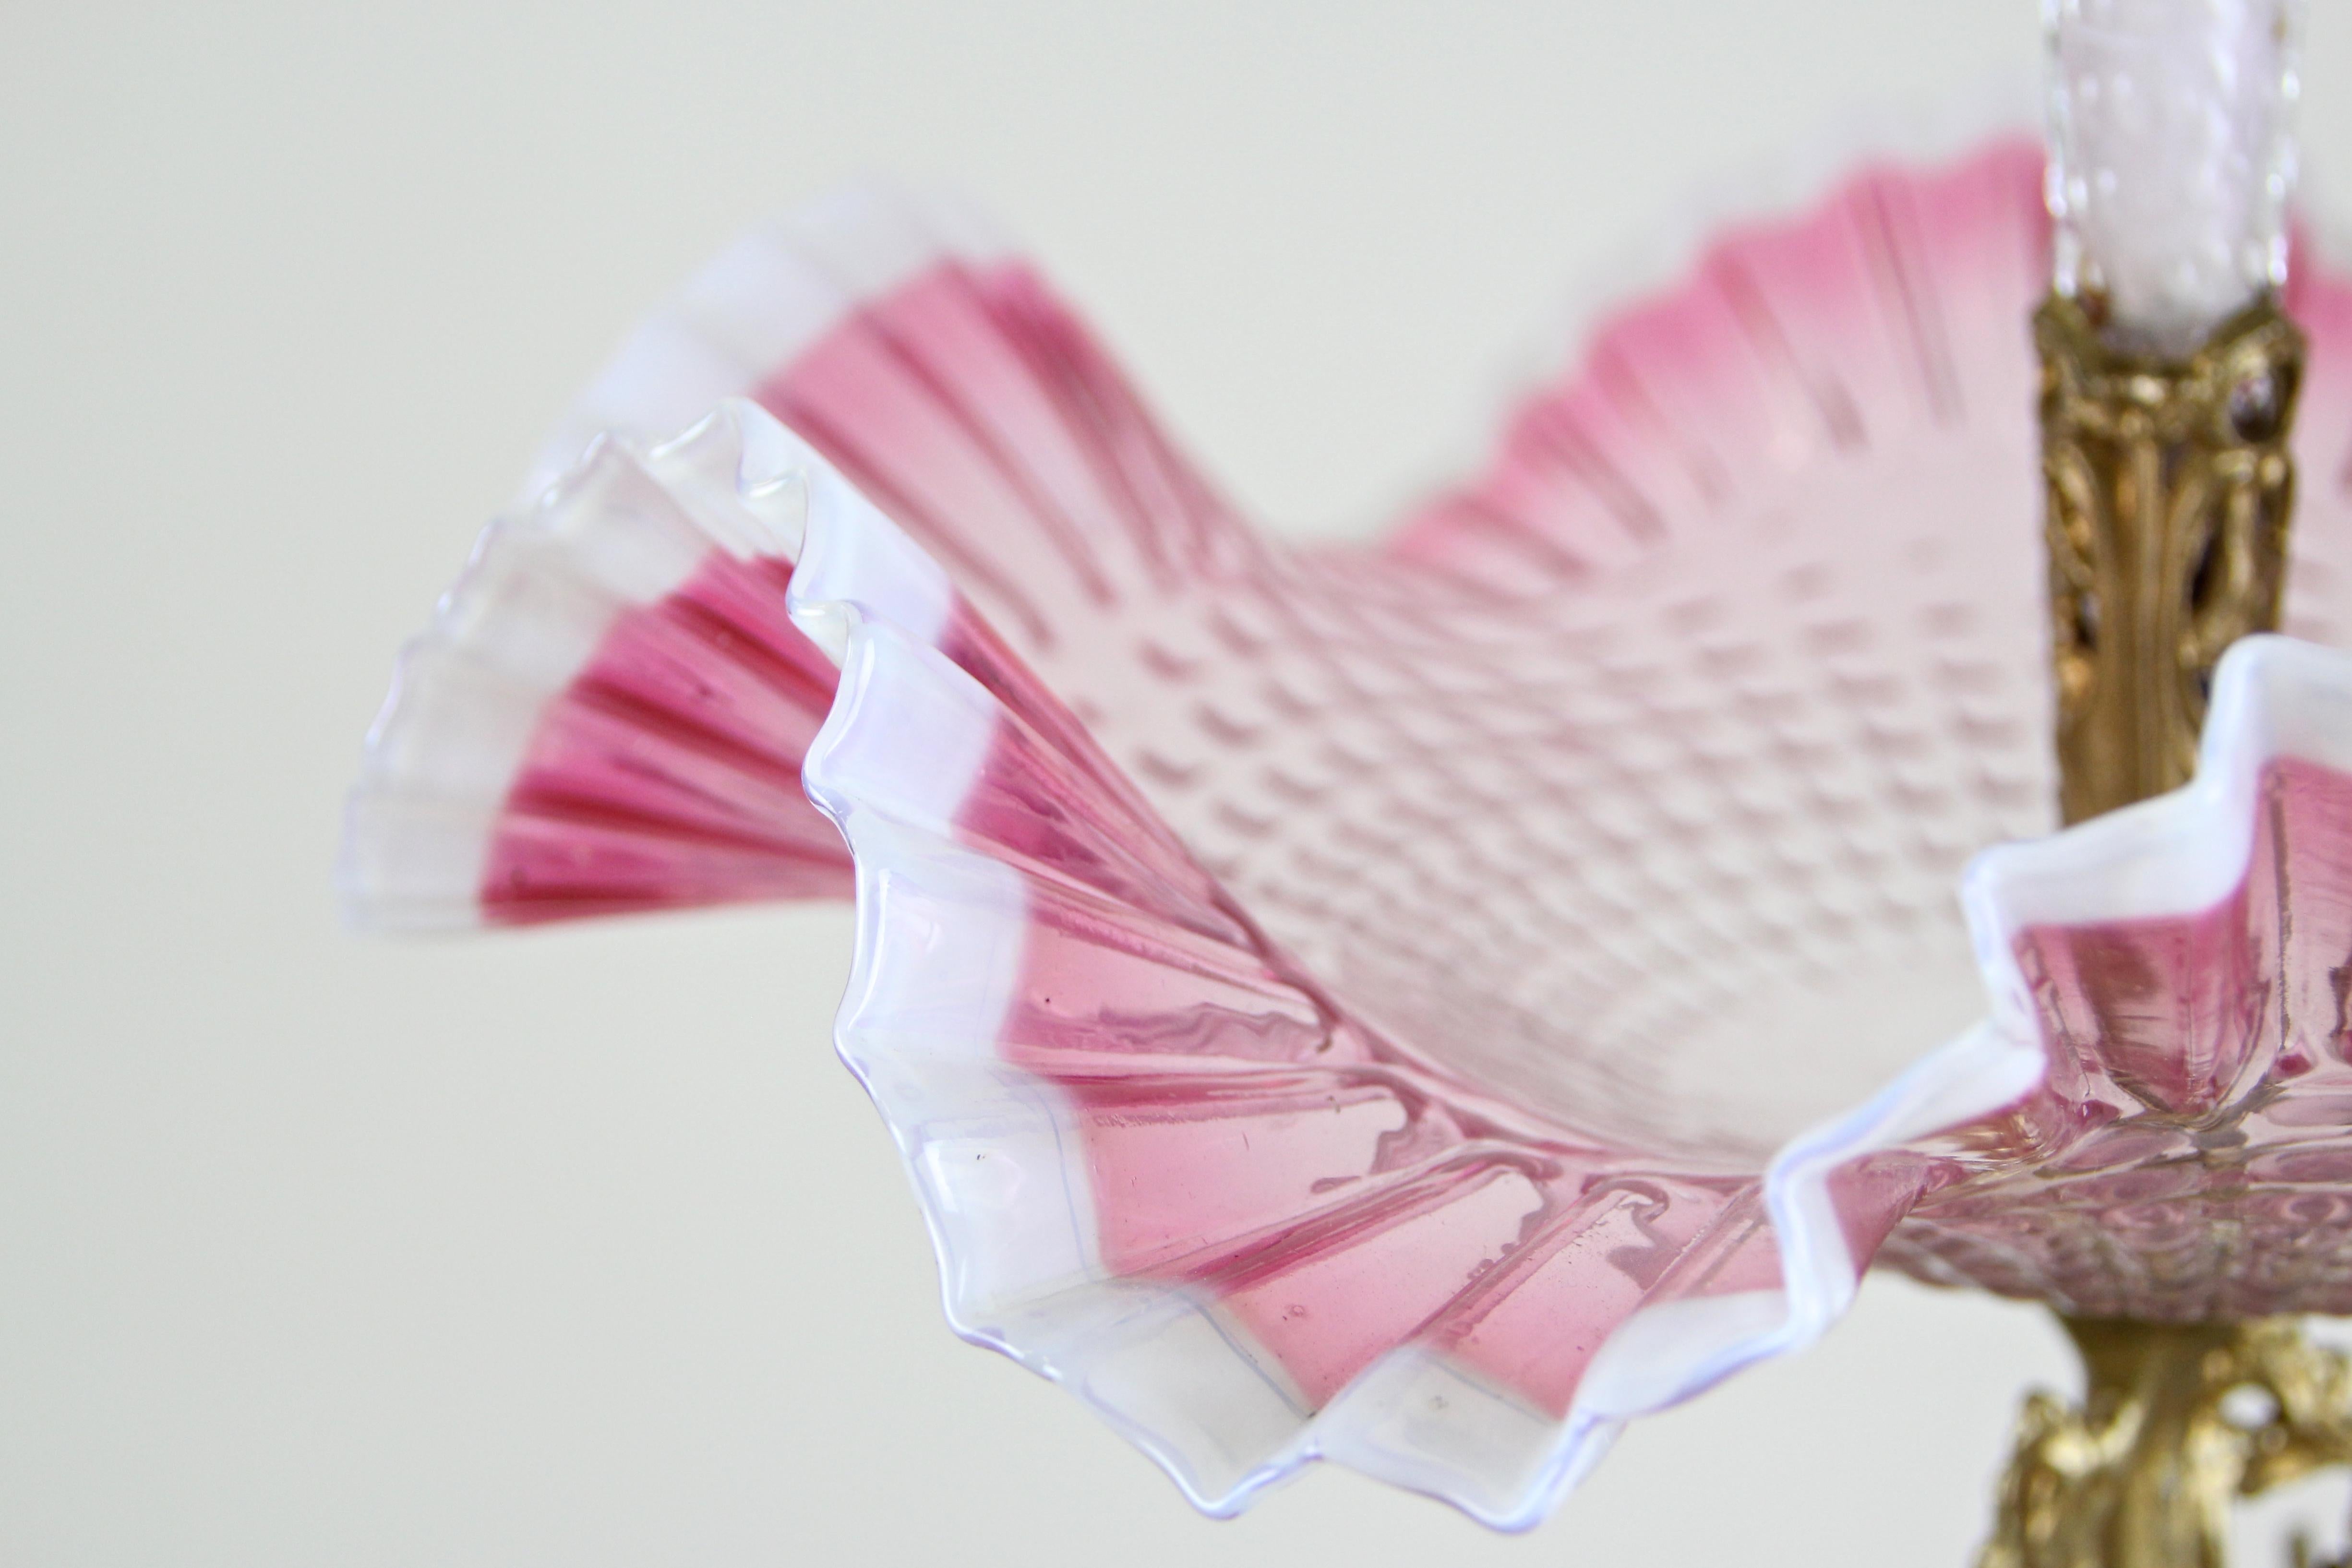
point(459, 817)
point(938, 920)
point(1403, 1373)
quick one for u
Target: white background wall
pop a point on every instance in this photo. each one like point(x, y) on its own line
point(578, 1247)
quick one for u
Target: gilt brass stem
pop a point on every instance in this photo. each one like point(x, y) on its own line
point(2168, 488)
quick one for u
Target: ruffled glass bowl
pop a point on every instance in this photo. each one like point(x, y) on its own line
point(1424, 1005)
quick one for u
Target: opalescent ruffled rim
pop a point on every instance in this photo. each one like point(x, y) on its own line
point(938, 950)
point(993, 1148)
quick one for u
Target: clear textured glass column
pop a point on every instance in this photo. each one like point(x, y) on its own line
point(2172, 160)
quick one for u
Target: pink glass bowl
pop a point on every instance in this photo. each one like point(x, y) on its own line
point(1426, 1005)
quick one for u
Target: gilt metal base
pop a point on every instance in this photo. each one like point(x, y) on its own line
point(2178, 1421)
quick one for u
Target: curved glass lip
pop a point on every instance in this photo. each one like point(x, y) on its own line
point(882, 609)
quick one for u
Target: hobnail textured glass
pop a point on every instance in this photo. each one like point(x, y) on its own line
point(1424, 1005)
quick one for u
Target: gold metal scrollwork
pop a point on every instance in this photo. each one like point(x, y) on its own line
point(2170, 486)
point(2168, 490)
point(2178, 1421)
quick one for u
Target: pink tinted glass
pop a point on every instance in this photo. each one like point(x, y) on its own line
point(1422, 1004)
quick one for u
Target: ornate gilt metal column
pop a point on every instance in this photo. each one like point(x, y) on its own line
point(2170, 486)
point(2168, 386)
